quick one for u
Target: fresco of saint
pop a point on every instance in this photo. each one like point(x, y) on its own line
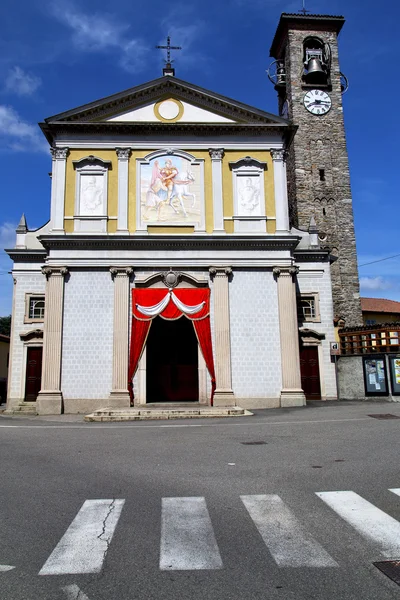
point(167, 190)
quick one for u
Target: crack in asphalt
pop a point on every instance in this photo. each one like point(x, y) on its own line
point(100, 536)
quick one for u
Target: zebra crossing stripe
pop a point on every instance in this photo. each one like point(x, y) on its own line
point(395, 491)
point(187, 536)
point(83, 547)
point(6, 568)
point(371, 522)
point(289, 544)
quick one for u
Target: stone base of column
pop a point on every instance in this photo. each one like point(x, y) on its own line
point(49, 403)
point(291, 398)
point(224, 398)
point(120, 399)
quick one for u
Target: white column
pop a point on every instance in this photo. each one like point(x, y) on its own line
point(292, 393)
point(119, 393)
point(217, 155)
point(59, 156)
point(281, 196)
point(49, 400)
point(224, 395)
point(123, 168)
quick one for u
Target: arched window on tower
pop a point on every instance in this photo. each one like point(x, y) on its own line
point(316, 61)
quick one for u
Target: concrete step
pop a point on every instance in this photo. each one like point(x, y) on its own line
point(27, 408)
point(143, 414)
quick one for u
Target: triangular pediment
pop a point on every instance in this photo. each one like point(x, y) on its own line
point(168, 100)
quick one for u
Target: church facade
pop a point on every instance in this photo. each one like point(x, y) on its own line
point(170, 270)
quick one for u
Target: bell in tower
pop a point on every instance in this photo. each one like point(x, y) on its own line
point(316, 61)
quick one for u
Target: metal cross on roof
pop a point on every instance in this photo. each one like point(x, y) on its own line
point(168, 48)
point(304, 10)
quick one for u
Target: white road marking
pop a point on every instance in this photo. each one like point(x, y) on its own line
point(73, 592)
point(187, 536)
point(289, 544)
point(395, 491)
point(5, 568)
point(84, 546)
point(371, 522)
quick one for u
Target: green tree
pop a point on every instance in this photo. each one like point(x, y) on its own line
point(5, 325)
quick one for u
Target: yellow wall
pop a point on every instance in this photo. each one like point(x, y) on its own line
point(380, 317)
point(262, 156)
point(70, 183)
point(230, 156)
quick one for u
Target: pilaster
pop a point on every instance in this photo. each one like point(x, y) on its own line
point(224, 395)
point(292, 393)
point(217, 155)
point(281, 196)
point(49, 400)
point(59, 162)
point(123, 168)
point(120, 392)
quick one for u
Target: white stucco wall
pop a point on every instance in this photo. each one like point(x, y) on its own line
point(87, 349)
point(255, 340)
point(315, 278)
point(27, 282)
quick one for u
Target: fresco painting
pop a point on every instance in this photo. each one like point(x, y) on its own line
point(170, 191)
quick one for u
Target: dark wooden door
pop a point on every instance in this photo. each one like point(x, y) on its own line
point(172, 362)
point(33, 374)
point(309, 368)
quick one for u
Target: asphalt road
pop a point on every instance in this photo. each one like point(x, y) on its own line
point(201, 509)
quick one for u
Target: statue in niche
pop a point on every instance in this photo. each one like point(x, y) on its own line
point(249, 195)
point(91, 195)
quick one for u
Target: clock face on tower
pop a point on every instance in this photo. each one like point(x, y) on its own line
point(317, 102)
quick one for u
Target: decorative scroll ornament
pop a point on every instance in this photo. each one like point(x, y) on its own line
point(171, 279)
point(278, 154)
point(123, 153)
point(216, 153)
point(157, 309)
point(59, 153)
point(277, 271)
point(49, 271)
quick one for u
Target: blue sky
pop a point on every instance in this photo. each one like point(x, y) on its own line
point(59, 54)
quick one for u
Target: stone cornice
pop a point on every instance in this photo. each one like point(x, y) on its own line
point(167, 242)
point(26, 255)
point(312, 255)
point(60, 128)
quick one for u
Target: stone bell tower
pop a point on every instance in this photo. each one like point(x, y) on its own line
point(307, 78)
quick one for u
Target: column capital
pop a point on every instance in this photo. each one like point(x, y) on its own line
point(123, 153)
point(285, 271)
point(59, 153)
point(278, 155)
point(216, 153)
point(121, 272)
point(59, 271)
point(220, 271)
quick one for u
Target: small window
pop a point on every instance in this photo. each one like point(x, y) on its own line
point(370, 322)
point(309, 308)
point(322, 174)
point(35, 306)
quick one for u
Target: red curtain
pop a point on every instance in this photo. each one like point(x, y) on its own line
point(141, 324)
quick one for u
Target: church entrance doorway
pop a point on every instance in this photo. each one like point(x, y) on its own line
point(33, 378)
point(309, 368)
point(172, 362)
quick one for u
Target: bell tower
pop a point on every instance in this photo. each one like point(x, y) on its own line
point(307, 78)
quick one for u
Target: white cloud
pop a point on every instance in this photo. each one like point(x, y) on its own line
point(21, 83)
point(18, 135)
point(374, 283)
point(100, 33)
point(7, 240)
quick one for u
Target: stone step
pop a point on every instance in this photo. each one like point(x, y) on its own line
point(27, 408)
point(142, 414)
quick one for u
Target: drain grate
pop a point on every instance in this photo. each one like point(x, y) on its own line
point(391, 568)
point(253, 443)
point(384, 416)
